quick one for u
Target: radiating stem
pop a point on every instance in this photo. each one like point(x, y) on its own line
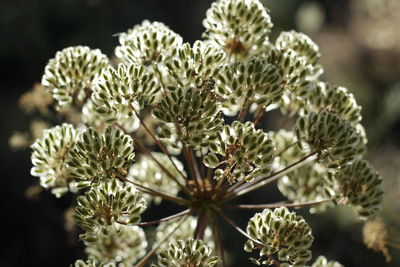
point(237, 228)
point(153, 192)
point(217, 239)
point(202, 222)
point(276, 205)
point(147, 257)
point(158, 143)
point(259, 182)
point(174, 216)
point(169, 174)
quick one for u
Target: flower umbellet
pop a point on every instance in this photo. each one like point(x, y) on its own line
point(170, 121)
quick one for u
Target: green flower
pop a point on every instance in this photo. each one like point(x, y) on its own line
point(189, 252)
point(335, 99)
point(241, 28)
point(124, 246)
point(107, 207)
point(148, 44)
point(190, 115)
point(49, 156)
point(282, 233)
point(92, 263)
point(72, 71)
point(357, 185)
point(333, 138)
point(244, 153)
point(100, 157)
point(149, 174)
point(302, 45)
point(306, 184)
point(196, 66)
point(254, 81)
point(321, 261)
point(185, 231)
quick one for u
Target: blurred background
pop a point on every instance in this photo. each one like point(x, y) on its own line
point(360, 45)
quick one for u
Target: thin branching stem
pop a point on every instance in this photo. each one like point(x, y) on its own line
point(147, 190)
point(169, 174)
point(158, 143)
point(242, 232)
point(262, 181)
point(174, 216)
point(147, 257)
point(275, 205)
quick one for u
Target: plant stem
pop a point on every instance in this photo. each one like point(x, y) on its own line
point(217, 238)
point(202, 222)
point(259, 182)
point(158, 143)
point(177, 215)
point(276, 205)
point(175, 199)
point(169, 174)
point(237, 228)
point(147, 257)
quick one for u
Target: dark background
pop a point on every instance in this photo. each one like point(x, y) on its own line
point(33, 232)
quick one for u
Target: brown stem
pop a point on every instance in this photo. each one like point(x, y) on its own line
point(275, 205)
point(161, 146)
point(217, 238)
point(177, 215)
point(259, 115)
point(202, 222)
point(169, 174)
point(243, 111)
point(144, 189)
point(237, 228)
point(190, 163)
point(147, 257)
point(259, 182)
